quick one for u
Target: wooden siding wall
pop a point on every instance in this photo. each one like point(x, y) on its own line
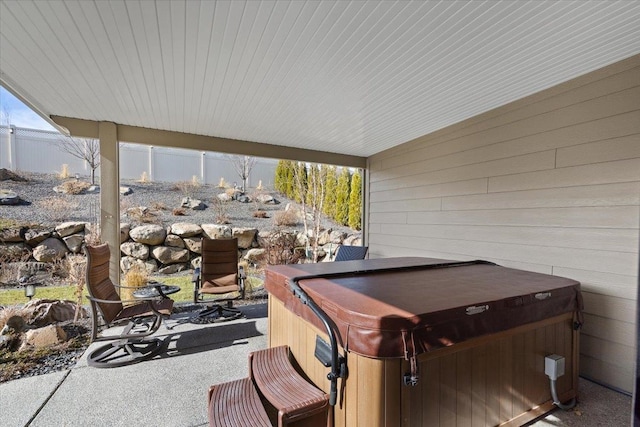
point(549, 183)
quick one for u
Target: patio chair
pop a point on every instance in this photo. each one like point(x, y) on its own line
point(142, 317)
point(219, 275)
point(348, 253)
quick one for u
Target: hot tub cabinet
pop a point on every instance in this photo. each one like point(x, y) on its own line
point(431, 342)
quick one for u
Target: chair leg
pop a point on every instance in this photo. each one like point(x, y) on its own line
point(124, 352)
point(217, 313)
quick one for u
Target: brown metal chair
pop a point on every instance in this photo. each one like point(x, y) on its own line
point(143, 317)
point(218, 275)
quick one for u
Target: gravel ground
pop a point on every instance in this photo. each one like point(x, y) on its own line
point(44, 206)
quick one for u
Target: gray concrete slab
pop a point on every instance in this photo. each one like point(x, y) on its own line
point(21, 399)
point(171, 389)
point(168, 390)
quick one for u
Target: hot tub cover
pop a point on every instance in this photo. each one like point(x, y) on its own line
point(401, 307)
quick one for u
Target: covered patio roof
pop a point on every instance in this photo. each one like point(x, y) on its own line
point(327, 81)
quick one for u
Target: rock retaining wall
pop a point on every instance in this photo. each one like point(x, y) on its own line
point(159, 249)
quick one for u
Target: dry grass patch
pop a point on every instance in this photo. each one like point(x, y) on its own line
point(75, 187)
point(285, 218)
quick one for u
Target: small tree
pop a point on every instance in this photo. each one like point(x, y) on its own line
point(87, 150)
point(310, 187)
point(280, 181)
point(300, 190)
point(355, 202)
point(243, 166)
point(342, 197)
point(329, 205)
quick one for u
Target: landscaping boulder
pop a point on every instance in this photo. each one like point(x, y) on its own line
point(8, 198)
point(246, 236)
point(185, 229)
point(74, 242)
point(50, 250)
point(69, 228)
point(173, 268)
point(174, 241)
point(46, 336)
point(194, 244)
point(135, 250)
point(12, 235)
point(124, 232)
point(255, 255)
point(47, 311)
point(29, 269)
point(224, 197)
point(215, 231)
point(196, 262)
point(14, 251)
point(151, 234)
point(127, 262)
point(195, 204)
point(167, 255)
point(267, 199)
point(35, 236)
point(125, 191)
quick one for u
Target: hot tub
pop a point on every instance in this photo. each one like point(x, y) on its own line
point(430, 342)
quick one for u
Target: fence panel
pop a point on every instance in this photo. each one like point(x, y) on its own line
point(33, 150)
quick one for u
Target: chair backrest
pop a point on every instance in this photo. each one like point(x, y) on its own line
point(348, 253)
point(99, 285)
point(219, 259)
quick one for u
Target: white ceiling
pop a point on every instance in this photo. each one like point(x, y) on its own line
point(345, 77)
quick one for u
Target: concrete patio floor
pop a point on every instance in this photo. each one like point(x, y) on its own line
point(170, 390)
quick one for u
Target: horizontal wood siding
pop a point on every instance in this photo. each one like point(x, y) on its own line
point(549, 183)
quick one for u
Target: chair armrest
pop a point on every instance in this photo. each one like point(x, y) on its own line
point(125, 301)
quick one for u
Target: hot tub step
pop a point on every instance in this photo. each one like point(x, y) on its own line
point(296, 401)
point(236, 404)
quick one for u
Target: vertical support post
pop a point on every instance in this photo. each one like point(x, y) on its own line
point(203, 162)
point(151, 165)
point(110, 194)
point(13, 162)
point(364, 221)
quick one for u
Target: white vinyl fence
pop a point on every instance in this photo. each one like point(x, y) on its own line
point(32, 150)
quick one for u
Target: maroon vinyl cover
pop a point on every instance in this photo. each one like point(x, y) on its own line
point(401, 307)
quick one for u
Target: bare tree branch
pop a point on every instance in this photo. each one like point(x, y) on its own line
point(242, 165)
point(87, 150)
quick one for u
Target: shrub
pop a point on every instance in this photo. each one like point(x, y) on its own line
point(144, 178)
point(355, 202)
point(260, 214)
point(92, 235)
point(179, 212)
point(285, 218)
point(158, 206)
point(74, 187)
point(222, 183)
point(136, 277)
point(220, 209)
point(76, 275)
point(281, 248)
point(342, 197)
point(64, 173)
point(331, 186)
